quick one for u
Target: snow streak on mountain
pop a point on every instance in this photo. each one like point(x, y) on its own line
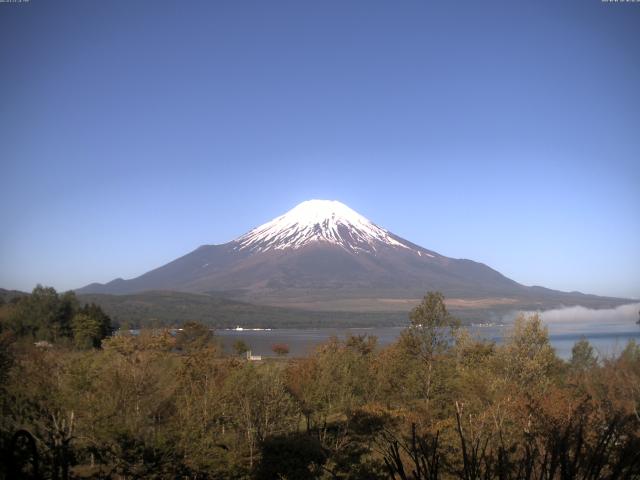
point(319, 221)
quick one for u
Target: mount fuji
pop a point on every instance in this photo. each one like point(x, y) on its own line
point(322, 255)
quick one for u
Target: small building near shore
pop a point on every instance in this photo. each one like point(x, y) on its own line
point(253, 358)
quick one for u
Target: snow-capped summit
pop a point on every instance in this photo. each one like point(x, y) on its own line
point(323, 255)
point(313, 221)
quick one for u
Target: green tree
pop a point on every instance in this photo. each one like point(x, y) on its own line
point(202, 419)
point(260, 403)
point(194, 336)
point(7, 357)
point(429, 335)
point(43, 315)
point(528, 358)
point(87, 331)
point(90, 326)
point(96, 312)
point(134, 406)
point(67, 308)
point(240, 347)
point(631, 353)
point(583, 357)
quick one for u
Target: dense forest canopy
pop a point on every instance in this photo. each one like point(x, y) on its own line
point(48, 316)
point(78, 402)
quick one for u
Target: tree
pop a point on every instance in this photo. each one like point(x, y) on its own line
point(41, 401)
point(240, 347)
point(430, 334)
point(260, 403)
point(583, 357)
point(530, 358)
point(87, 331)
point(194, 336)
point(203, 425)
point(7, 357)
point(302, 384)
point(96, 312)
point(280, 349)
point(365, 344)
point(432, 327)
point(631, 353)
point(43, 315)
point(66, 309)
point(90, 326)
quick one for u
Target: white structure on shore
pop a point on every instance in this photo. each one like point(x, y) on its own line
point(253, 358)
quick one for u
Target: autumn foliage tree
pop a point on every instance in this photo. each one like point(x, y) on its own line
point(280, 349)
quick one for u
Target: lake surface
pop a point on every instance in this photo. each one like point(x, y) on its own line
point(608, 331)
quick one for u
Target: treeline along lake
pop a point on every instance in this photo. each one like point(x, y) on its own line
point(607, 330)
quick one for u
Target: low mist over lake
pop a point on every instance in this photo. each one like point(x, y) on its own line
point(578, 319)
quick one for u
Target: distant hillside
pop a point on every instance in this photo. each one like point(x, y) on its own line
point(158, 308)
point(165, 308)
point(175, 308)
point(7, 296)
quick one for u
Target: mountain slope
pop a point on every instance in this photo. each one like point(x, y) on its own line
point(322, 254)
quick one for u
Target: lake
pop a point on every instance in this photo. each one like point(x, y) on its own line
point(607, 330)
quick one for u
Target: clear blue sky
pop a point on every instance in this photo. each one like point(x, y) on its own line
point(132, 132)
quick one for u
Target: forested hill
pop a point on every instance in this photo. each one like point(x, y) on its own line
point(164, 308)
point(7, 296)
point(175, 308)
